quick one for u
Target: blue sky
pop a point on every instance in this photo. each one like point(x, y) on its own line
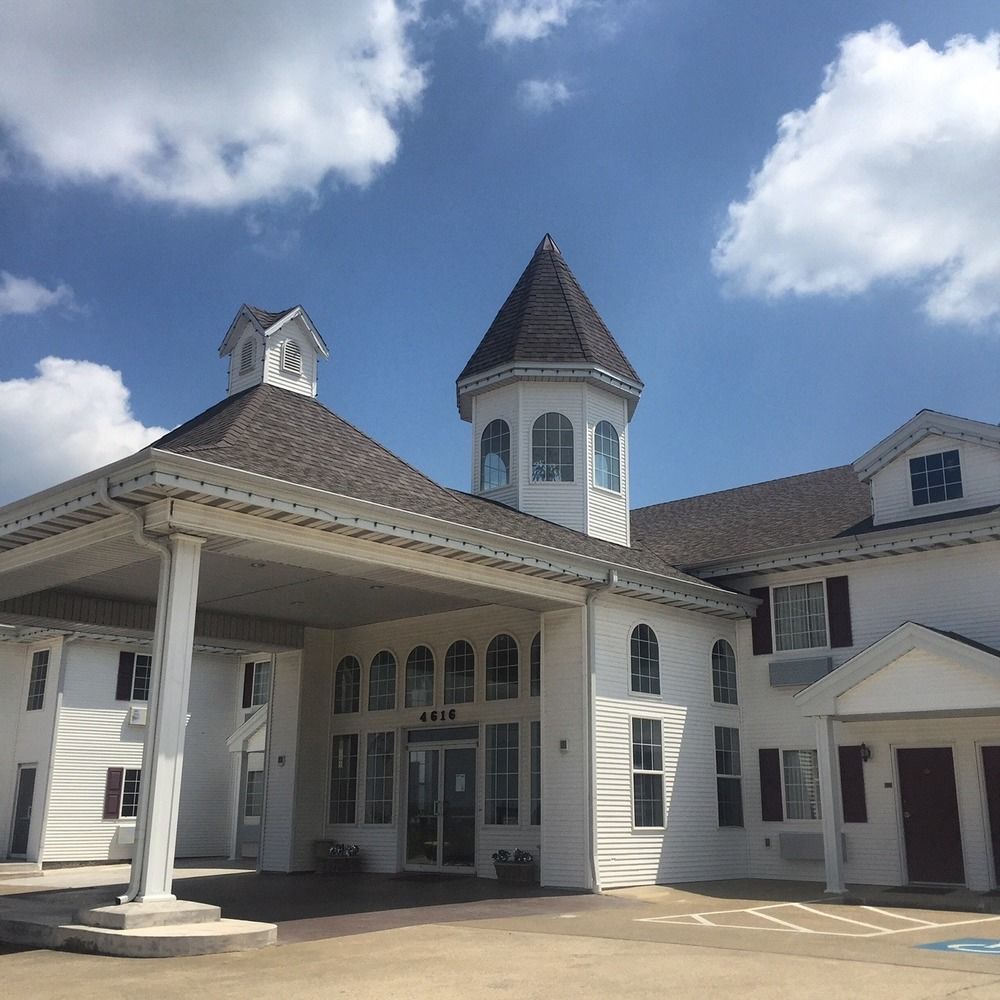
point(391, 167)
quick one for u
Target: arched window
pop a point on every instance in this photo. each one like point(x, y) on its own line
point(247, 354)
point(501, 668)
point(347, 686)
point(420, 678)
point(645, 661)
point(494, 452)
point(291, 357)
point(459, 673)
point(382, 682)
point(607, 465)
point(724, 673)
point(552, 449)
point(535, 658)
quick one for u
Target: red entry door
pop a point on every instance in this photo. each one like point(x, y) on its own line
point(930, 815)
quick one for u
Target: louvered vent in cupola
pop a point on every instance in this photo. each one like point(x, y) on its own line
point(291, 357)
point(247, 353)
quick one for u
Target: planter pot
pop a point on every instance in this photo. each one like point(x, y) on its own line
point(341, 866)
point(516, 874)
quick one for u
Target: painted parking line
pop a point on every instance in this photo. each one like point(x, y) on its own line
point(804, 918)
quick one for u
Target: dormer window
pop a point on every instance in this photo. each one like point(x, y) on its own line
point(607, 464)
point(247, 355)
point(936, 477)
point(291, 357)
point(494, 470)
point(552, 449)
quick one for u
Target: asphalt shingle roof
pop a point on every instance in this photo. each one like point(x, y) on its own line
point(287, 436)
point(268, 319)
point(548, 317)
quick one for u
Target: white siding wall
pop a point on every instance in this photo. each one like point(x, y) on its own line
point(565, 773)
point(383, 843)
point(893, 499)
point(238, 382)
point(276, 850)
point(12, 672)
point(950, 589)
point(30, 736)
point(94, 734)
point(274, 374)
point(691, 845)
point(607, 512)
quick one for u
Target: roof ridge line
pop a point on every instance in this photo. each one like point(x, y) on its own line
point(569, 305)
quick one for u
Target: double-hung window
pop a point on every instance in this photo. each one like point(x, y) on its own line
point(728, 776)
point(647, 772)
point(134, 673)
point(256, 683)
point(344, 779)
point(800, 616)
point(801, 781)
point(36, 682)
point(724, 674)
point(121, 793)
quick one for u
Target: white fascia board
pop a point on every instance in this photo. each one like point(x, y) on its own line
point(957, 531)
point(300, 314)
point(820, 697)
point(77, 493)
point(206, 477)
point(229, 340)
point(925, 423)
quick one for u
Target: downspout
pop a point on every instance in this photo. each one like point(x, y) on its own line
point(147, 541)
point(595, 592)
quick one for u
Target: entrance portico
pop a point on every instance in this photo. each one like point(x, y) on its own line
point(923, 705)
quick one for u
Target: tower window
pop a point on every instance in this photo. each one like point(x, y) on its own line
point(552, 449)
point(607, 463)
point(291, 357)
point(247, 355)
point(494, 462)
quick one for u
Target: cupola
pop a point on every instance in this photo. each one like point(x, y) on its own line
point(550, 394)
point(274, 348)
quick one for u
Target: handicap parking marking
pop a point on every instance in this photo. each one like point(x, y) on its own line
point(803, 918)
point(967, 946)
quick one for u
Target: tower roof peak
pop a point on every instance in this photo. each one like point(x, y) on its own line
point(548, 244)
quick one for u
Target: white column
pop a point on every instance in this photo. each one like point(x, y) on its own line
point(830, 804)
point(163, 754)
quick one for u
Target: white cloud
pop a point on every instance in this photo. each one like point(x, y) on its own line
point(209, 104)
point(539, 96)
point(26, 296)
point(891, 174)
point(522, 20)
point(72, 417)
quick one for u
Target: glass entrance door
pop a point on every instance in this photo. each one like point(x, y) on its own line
point(441, 809)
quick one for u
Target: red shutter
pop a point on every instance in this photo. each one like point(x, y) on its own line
point(852, 785)
point(838, 604)
point(247, 685)
point(113, 792)
point(760, 624)
point(771, 808)
point(126, 667)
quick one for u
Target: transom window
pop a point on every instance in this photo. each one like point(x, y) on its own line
point(347, 686)
point(647, 772)
point(502, 758)
point(382, 682)
point(552, 449)
point(801, 775)
point(494, 451)
point(36, 682)
point(459, 673)
point(723, 673)
point(607, 463)
point(344, 779)
point(501, 668)
point(934, 478)
point(379, 772)
point(799, 616)
point(645, 657)
point(419, 678)
point(728, 780)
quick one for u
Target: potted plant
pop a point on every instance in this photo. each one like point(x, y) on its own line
point(515, 867)
point(338, 859)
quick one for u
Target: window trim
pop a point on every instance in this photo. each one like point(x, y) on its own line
point(518, 686)
point(367, 693)
point(392, 799)
point(738, 777)
point(342, 663)
point(917, 508)
point(798, 650)
point(782, 750)
point(618, 458)
point(406, 677)
point(725, 705)
point(655, 830)
point(487, 726)
point(483, 488)
point(644, 695)
point(531, 467)
point(475, 673)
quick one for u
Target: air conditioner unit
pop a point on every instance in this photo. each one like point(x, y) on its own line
point(137, 715)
